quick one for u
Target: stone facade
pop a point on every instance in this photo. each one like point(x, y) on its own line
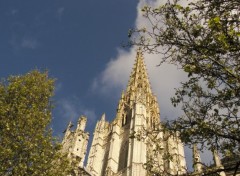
point(75, 142)
point(125, 146)
point(116, 149)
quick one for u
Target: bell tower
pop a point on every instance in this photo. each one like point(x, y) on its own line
point(121, 147)
point(140, 109)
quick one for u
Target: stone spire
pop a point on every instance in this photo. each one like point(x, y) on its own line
point(103, 117)
point(70, 125)
point(139, 78)
point(68, 130)
point(139, 90)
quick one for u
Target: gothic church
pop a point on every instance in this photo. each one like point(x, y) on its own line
point(121, 147)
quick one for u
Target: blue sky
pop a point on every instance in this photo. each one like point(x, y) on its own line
point(73, 39)
point(80, 43)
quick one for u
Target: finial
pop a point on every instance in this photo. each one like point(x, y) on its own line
point(139, 49)
point(70, 125)
point(82, 117)
point(122, 96)
point(103, 117)
point(139, 52)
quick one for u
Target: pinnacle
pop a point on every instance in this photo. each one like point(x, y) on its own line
point(103, 117)
point(70, 125)
point(138, 90)
point(139, 77)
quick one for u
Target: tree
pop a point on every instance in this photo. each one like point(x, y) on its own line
point(26, 143)
point(203, 39)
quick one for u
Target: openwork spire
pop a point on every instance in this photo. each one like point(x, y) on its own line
point(139, 91)
point(139, 77)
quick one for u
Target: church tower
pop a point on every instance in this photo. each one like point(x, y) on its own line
point(123, 147)
point(75, 142)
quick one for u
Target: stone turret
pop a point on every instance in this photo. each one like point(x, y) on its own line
point(75, 142)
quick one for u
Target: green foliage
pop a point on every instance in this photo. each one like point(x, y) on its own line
point(26, 143)
point(202, 38)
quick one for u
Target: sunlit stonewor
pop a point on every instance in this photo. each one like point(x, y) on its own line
point(134, 140)
point(75, 142)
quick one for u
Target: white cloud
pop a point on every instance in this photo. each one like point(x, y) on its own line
point(72, 108)
point(13, 12)
point(163, 79)
point(116, 74)
point(29, 43)
point(58, 87)
point(24, 42)
point(59, 13)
